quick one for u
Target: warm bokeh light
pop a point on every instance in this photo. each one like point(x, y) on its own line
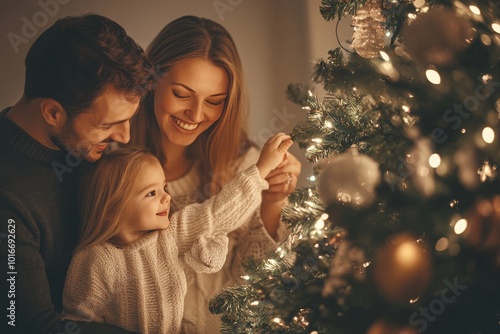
point(408, 253)
point(488, 135)
point(433, 77)
point(460, 226)
point(442, 244)
point(384, 56)
point(434, 160)
point(496, 27)
point(475, 10)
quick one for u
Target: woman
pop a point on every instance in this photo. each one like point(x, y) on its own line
point(194, 121)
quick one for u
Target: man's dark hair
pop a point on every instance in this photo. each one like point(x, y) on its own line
point(79, 56)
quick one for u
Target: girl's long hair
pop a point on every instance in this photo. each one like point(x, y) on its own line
point(104, 192)
point(226, 140)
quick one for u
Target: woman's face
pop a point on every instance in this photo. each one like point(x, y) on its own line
point(189, 99)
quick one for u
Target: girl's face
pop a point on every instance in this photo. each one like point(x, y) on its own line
point(148, 206)
point(189, 99)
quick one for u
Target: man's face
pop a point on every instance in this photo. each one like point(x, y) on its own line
point(108, 120)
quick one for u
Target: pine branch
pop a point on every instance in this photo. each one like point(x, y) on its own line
point(331, 9)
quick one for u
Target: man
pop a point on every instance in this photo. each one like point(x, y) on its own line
point(84, 80)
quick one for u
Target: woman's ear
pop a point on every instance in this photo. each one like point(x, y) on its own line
point(53, 113)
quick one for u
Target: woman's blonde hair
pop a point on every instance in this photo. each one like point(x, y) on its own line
point(104, 192)
point(226, 140)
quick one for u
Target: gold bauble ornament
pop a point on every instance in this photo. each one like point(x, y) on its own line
point(402, 268)
point(368, 35)
point(384, 327)
point(437, 37)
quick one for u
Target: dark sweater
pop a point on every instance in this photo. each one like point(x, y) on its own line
point(38, 231)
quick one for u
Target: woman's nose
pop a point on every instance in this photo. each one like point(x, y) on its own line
point(195, 112)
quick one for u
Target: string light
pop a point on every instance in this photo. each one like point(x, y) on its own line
point(434, 160)
point(460, 226)
point(475, 10)
point(433, 77)
point(496, 27)
point(320, 224)
point(487, 171)
point(488, 135)
point(384, 56)
point(485, 78)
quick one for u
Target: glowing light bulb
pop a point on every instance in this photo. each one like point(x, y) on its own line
point(496, 27)
point(488, 135)
point(433, 77)
point(320, 224)
point(460, 226)
point(384, 56)
point(475, 10)
point(434, 160)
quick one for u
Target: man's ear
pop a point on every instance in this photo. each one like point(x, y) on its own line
point(53, 112)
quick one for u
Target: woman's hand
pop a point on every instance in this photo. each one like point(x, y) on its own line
point(282, 180)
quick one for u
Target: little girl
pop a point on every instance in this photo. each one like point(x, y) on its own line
point(128, 266)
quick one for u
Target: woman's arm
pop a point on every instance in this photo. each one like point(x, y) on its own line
point(282, 182)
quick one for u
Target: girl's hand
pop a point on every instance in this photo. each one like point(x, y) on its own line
point(273, 153)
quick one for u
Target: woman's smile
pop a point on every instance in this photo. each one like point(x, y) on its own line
point(185, 125)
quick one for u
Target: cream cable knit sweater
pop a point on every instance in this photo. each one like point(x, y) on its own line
point(250, 240)
point(141, 286)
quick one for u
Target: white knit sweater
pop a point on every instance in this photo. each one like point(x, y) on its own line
point(250, 240)
point(141, 287)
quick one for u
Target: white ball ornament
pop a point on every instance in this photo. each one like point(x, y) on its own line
point(349, 178)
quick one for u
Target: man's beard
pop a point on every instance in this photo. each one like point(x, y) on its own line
point(67, 140)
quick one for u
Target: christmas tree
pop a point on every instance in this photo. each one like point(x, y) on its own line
point(399, 229)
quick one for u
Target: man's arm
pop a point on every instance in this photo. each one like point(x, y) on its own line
point(25, 292)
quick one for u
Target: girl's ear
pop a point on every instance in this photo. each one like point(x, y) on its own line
point(53, 113)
